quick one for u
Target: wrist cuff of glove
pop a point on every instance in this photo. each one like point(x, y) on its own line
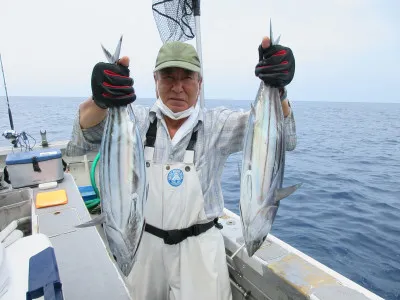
point(283, 93)
point(102, 106)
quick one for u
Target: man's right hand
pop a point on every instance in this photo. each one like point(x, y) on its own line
point(111, 84)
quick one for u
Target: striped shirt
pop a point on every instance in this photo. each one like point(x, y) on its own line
point(220, 132)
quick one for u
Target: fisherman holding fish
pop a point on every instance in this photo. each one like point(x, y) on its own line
point(181, 254)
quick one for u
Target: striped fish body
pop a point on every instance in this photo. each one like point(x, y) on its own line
point(123, 184)
point(262, 168)
point(123, 189)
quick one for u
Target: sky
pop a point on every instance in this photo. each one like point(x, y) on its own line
point(344, 50)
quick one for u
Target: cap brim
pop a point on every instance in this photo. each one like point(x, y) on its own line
point(178, 64)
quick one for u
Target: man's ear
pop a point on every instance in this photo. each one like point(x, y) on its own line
point(155, 84)
point(200, 86)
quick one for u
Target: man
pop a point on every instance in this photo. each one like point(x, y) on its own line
point(185, 151)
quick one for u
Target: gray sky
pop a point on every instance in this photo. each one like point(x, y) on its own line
point(345, 50)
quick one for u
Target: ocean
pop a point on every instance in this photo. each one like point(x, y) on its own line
point(347, 212)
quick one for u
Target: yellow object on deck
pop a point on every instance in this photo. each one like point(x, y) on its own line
point(53, 198)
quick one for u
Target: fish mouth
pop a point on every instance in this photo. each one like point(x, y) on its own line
point(253, 246)
point(255, 237)
point(126, 268)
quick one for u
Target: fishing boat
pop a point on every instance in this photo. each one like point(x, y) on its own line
point(43, 210)
point(87, 270)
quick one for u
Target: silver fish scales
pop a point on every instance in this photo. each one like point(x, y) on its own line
point(262, 168)
point(122, 179)
point(123, 183)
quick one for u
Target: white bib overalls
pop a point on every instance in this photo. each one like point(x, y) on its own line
point(195, 268)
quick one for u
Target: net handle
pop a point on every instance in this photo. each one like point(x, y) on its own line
point(196, 8)
point(196, 12)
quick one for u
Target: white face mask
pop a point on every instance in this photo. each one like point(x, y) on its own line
point(173, 115)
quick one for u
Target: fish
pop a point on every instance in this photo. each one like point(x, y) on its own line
point(263, 164)
point(123, 183)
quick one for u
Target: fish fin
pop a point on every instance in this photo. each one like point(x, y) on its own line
point(96, 221)
point(140, 239)
point(117, 50)
point(285, 192)
point(271, 35)
point(276, 42)
point(107, 54)
point(113, 58)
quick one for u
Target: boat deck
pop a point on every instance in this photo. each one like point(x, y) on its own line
point(86, 270)
point(276, 271)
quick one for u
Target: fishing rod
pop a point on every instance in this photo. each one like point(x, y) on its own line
point(8, 103)
point(17, 140)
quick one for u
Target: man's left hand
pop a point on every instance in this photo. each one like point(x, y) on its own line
point(276, 64)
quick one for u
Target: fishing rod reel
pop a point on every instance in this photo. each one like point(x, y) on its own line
point(20, 140)
point(12, 136)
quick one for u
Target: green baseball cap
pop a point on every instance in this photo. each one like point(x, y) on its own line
point(179, 55)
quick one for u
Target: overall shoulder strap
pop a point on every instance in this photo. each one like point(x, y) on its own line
point(192, 141)
point(151, 134)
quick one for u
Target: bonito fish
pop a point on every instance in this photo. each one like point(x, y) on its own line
point(122, 179)
point(262, 167)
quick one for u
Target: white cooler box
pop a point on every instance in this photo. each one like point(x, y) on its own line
point(34, 167)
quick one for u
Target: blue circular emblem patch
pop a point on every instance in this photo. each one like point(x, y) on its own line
point(175, 177)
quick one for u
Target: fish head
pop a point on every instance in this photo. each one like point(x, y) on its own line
point(256, 232)
point(124, 256)
point(253, 246)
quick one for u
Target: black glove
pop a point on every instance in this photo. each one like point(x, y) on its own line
point(276, 65)
point(111, 85)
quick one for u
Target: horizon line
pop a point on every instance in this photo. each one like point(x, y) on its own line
point(207, 99)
